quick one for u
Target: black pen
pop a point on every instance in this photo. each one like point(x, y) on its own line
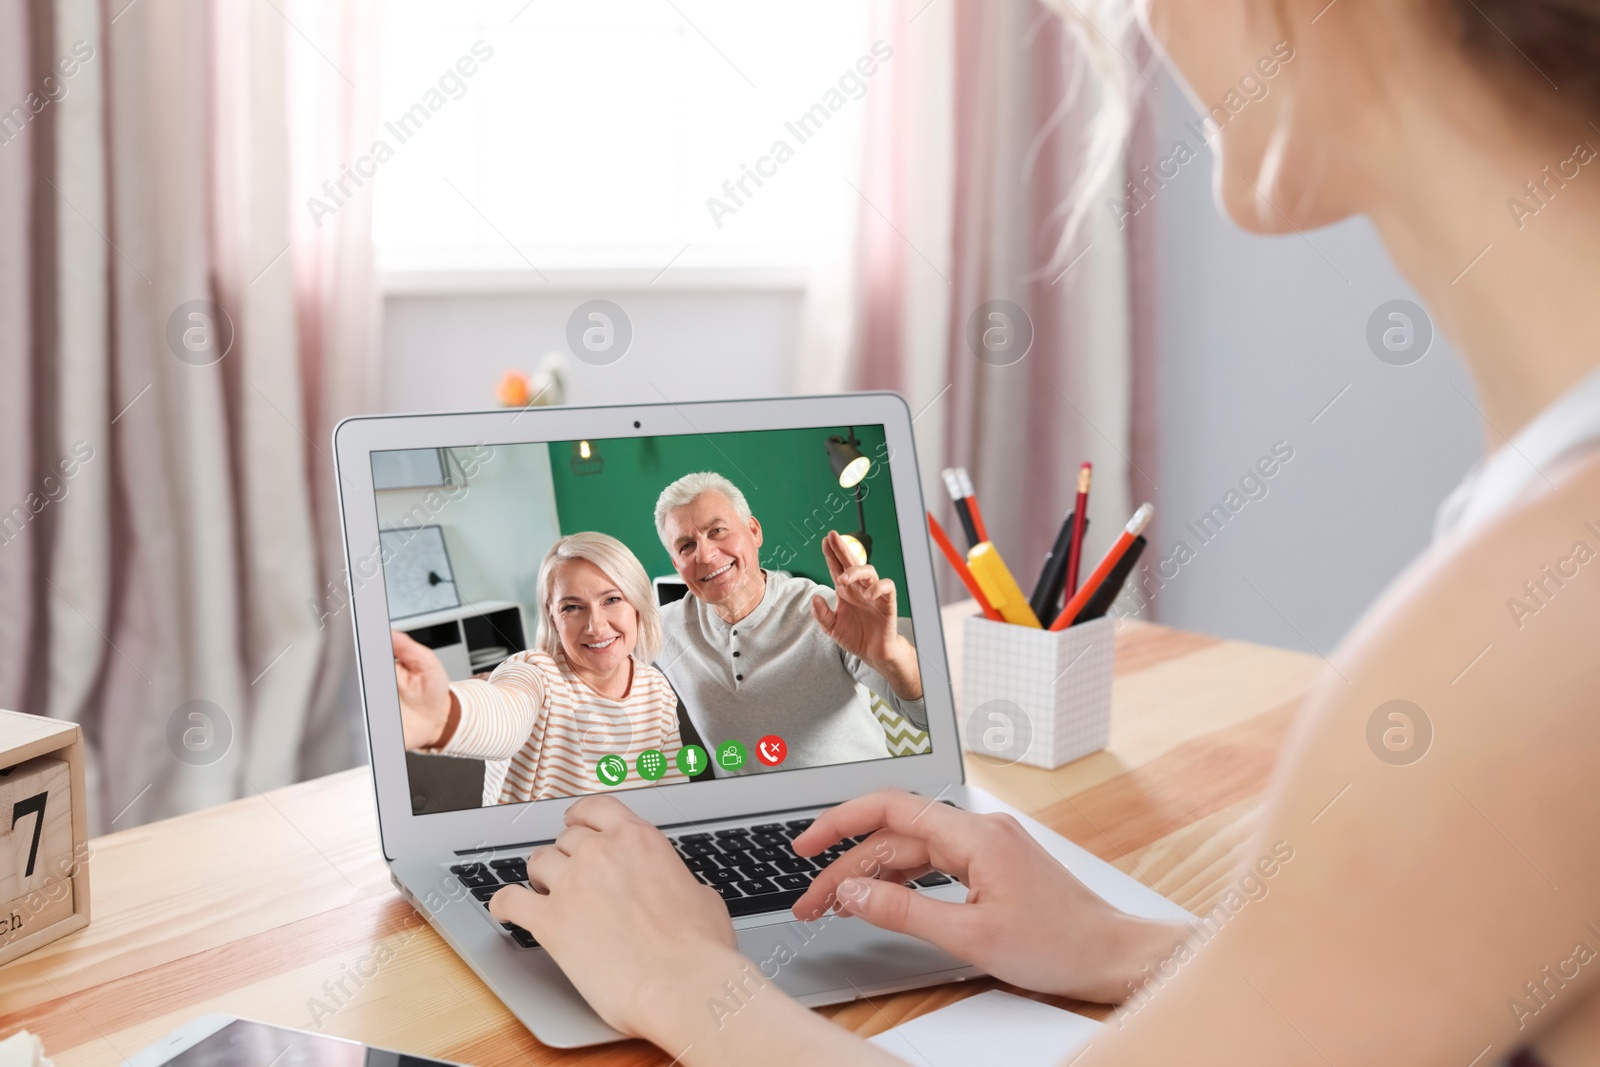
point(1111, 588)
point(1046, 598)
point(960, 487)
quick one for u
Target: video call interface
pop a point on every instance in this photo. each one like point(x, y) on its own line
point(588, 616)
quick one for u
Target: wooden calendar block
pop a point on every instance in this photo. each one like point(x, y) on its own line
point(44, 870)
point(35, 826)
point(45, 909)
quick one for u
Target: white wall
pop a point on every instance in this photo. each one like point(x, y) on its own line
point(498, 531)
point(448, 339)
point(1258, 335)
point(447, 350)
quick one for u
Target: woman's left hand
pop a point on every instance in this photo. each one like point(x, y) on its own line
point(614, 905)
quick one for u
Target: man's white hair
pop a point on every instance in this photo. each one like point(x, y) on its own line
point(685, 489)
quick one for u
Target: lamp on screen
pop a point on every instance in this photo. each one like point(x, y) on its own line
point(851, 466)
point(848, 462)
point(586, 458)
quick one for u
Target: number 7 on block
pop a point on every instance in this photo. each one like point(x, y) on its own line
point(35, 826)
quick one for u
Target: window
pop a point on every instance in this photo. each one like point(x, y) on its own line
point(594, 133)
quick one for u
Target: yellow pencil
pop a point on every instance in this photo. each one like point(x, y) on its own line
point(1001, 589)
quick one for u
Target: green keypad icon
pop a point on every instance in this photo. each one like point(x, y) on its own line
point(651, 764)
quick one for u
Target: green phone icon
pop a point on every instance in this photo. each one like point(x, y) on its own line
point(611, 770)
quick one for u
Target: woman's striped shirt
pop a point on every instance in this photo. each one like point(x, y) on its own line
point(553, 728)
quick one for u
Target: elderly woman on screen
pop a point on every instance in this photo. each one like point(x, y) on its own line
point(586, 691)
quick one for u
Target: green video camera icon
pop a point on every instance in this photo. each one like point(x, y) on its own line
point(731, 755)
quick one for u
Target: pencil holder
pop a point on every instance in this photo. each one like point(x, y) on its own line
point(1035, 697)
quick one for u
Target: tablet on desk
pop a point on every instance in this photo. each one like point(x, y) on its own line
point(228, 1041)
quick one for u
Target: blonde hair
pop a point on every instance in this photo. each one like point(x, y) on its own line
point(685, 489)
point(621, 566)
point(1109, 39)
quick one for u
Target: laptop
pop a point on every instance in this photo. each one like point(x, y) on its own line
point(447, 517)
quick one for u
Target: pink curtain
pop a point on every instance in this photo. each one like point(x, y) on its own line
point(1017, 117)
point(19, 142)
point(186, 347)
point(1143, 236)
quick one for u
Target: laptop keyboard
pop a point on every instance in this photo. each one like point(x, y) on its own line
point(753, 868)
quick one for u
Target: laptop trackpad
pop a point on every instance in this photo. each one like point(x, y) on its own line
point(840, 955)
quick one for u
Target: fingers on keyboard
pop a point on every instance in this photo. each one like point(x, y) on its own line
point(755, 870)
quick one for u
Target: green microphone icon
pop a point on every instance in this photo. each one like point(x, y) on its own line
point(692, 760)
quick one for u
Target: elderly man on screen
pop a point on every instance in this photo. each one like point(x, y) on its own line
point(754, 652)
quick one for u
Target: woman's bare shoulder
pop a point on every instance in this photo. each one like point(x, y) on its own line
point(1513, 606)
point(1573, 1040)
point(1483, 655)
point(1449, 752)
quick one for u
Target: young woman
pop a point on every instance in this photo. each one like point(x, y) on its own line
point(586, 692)
point(1445, 912)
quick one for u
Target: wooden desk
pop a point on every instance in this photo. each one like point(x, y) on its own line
point(261, 907)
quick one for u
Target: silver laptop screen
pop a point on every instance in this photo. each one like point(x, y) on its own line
point(586, 616)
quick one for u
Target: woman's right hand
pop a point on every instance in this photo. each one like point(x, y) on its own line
point(1026, 920)
point(424, 691)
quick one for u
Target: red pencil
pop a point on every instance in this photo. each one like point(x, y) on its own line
point(959, 483)
point(1135, 527)
point(942, 539)
point(1080, 514)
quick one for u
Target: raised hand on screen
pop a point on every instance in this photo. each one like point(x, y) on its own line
point(424, 691)
point(862, 620)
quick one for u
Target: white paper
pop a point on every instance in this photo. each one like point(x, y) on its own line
point(22, 1049)
point(992, 1027)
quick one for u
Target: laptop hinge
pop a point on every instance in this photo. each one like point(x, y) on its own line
point(760, 816)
